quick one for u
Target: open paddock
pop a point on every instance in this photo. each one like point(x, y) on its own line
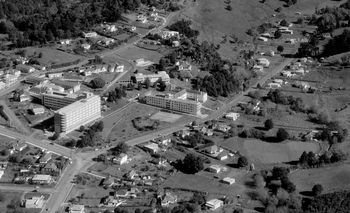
point(166, 117)
point(259, 151)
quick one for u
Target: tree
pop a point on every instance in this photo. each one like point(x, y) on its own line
point(317, 189)
point(147, 83)
point(120, 148)
point(162, 64)
point(259, 181)
point(268, 124)
point(277, 34)
point(192, 164)
point(229, 7)
point(162, 86)
point(97, 83)
point(282, 134)
point(284, 23)
point(280, 48)
point(2, 197)
point(242, 161)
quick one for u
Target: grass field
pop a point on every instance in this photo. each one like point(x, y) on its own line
point(52, 56)
point(9, 195)
point(333, 178)
point(166, 117)
point(259, 151)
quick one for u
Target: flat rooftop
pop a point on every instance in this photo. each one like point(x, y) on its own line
point(76, 105)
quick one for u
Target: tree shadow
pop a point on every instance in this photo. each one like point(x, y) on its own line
point(250, 184)
point(260, 128)
point(307, 193)
point(233, 165)
point(259, 209)
point(271, 139)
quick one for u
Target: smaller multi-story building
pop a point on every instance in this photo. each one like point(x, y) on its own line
point(56, 100)
point(162, 75)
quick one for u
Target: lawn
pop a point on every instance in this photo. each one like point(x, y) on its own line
point(263, 152)
point(8, 196)
point(166, 117)
point(52, 56)
point(333, 178)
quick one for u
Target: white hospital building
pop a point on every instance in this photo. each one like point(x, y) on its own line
point(78, 113)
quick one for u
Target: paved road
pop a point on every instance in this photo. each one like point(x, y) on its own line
point(44, 144)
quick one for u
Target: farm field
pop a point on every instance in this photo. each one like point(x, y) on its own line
point(333, 178)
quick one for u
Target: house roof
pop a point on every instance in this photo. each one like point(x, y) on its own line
point(185, 74)
point(52, 166)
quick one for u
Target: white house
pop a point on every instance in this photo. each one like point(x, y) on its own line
point(291, 41)
point(232, 116)
point(264, 62)
point(90, 35)
point(263, 39)
point(214, 204)
point(166, 34)
point(66, 41)
point(25, 68)
point(42, 179)
point(228, 180)
point(38, 110)
point(258, 68)
point(121, 159)
point(119, 68)
point(34, 202)
point(274, 85)
point(290, 32)
point(214, 168)
point(77, 209)
point(86, 46)
point(266, 35)
point(152, 147)
point(141, 18)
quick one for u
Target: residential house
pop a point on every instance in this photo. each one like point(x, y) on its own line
point(228, 180)
point(152, 148)
point(232, 116)
point(183, 134)
point(291, 41)
point(214, 150)
point(164, 141)
point(166, 34)
point(264, 62)
point(132, 28)
point(274, 85)
point(45, 158)
point(2, 172)
point(65, 41)
point(54, 75)
point(185, 75)
point(266, 35)
point(42, 179)
point(51, 169)
point(214, 204)
point(18, 147)
point(34, 202)
point(214, 168)
point(77, 209)
point(37, 110)
point(141, 18)
point(86, 46)
point(258, 68)
point(263, 39)
point(175, 44)
point(121, 159)
point(119, 68)
point(90, 35)
point(168, 199)
point(110, 201)
point(290, 32)
point(131, 193)
point(24, 97)
point(222, 155)
point(222, 127)
point(184, 65)
point(25, 68)
point(108, 182)
point(131, 175)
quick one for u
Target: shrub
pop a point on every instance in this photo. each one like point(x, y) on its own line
point(282, 134)
point(268, 124)
point(317, 189)
point(242, 161)
point(97, 83)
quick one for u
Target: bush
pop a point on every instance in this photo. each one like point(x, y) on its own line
point(317, 189)
point(268, 124)
point(97, 83)
point(192, 164)
point(280, 48)
point(242, 162)
point(282, 134)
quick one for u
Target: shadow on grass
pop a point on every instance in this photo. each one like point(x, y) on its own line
point(307, 193)
point(260, 128)
point(271, 139)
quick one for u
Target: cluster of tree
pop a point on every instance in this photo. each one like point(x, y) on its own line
point(330, 18)
point(290, 2)
point(281, 134)
point(91, 135)
point(333, 132)
point(184, 27)
point(119, 149)
point(191, 164)
point(310, 160)
point(338, 44)
point(116, 94)
point(97, 83)
point(331, 202)
point(142, 124)
point(39, 21)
